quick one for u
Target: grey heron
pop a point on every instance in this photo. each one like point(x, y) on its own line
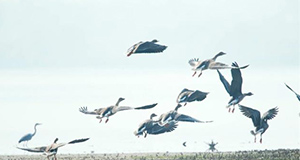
point(259, 122)
point(113, 109)
point(52, 149)
point(186, 96)
point(235, 88)
point(198, 65)
point(146, 47)
point(29, 136)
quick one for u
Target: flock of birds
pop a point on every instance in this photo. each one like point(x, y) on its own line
point(168, 122)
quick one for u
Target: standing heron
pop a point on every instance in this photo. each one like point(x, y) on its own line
point(186, 96)
point(297, 95)
point(198, 65)
point(146, 47)
point(212, 146)
point(111, 110)
point(235, 89)
point(29, 136)
point(52, 149)
point(151, 126)
point(260, 123)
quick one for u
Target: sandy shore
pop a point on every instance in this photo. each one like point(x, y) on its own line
point(281, 154)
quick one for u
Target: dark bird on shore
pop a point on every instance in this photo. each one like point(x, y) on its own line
point(184, 144)
point(212, 146)
point(297, 95)
point(235, 89)
point(29, 136)
point(113, 109)
point(146, 47)
point(173, 115)
point(198, 65)
point(151, 126)
point(259, 122)
point(186, 96)
point(52, 149)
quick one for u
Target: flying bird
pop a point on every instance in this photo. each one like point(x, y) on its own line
point(151, 126)
point(173, 115)
point(184, 144)
point(52, 149)
point(111, 110)
point(29, 136)
point(298, 96)
point(198, 65)
point(212, 146)
point(146, 47)
point(259, 122)
point(187, 95)
point(235, 88)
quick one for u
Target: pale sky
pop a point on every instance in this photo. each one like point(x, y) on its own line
point(56, 56)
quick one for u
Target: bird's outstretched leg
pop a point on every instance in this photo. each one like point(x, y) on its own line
point(100, 120)
point(229, 109)
point(194, 73)
point(233, 109)
point(200, 74)
point(106, 120)
point(185, 104)
point(55, 157)
point(260, 139)
point(145, 135)
point(254, 139)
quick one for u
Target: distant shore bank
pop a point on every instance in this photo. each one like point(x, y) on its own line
point(280, 154)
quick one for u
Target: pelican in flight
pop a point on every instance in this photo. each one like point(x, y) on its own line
point(260, 122)
point(146, 47)
point(297, 95)
point(52, 149)
point(187, 95)
point(198, 65)
point(151, 126)
point(29, 136)
point(235, 89)
point(111, 110)
point(173, 115)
